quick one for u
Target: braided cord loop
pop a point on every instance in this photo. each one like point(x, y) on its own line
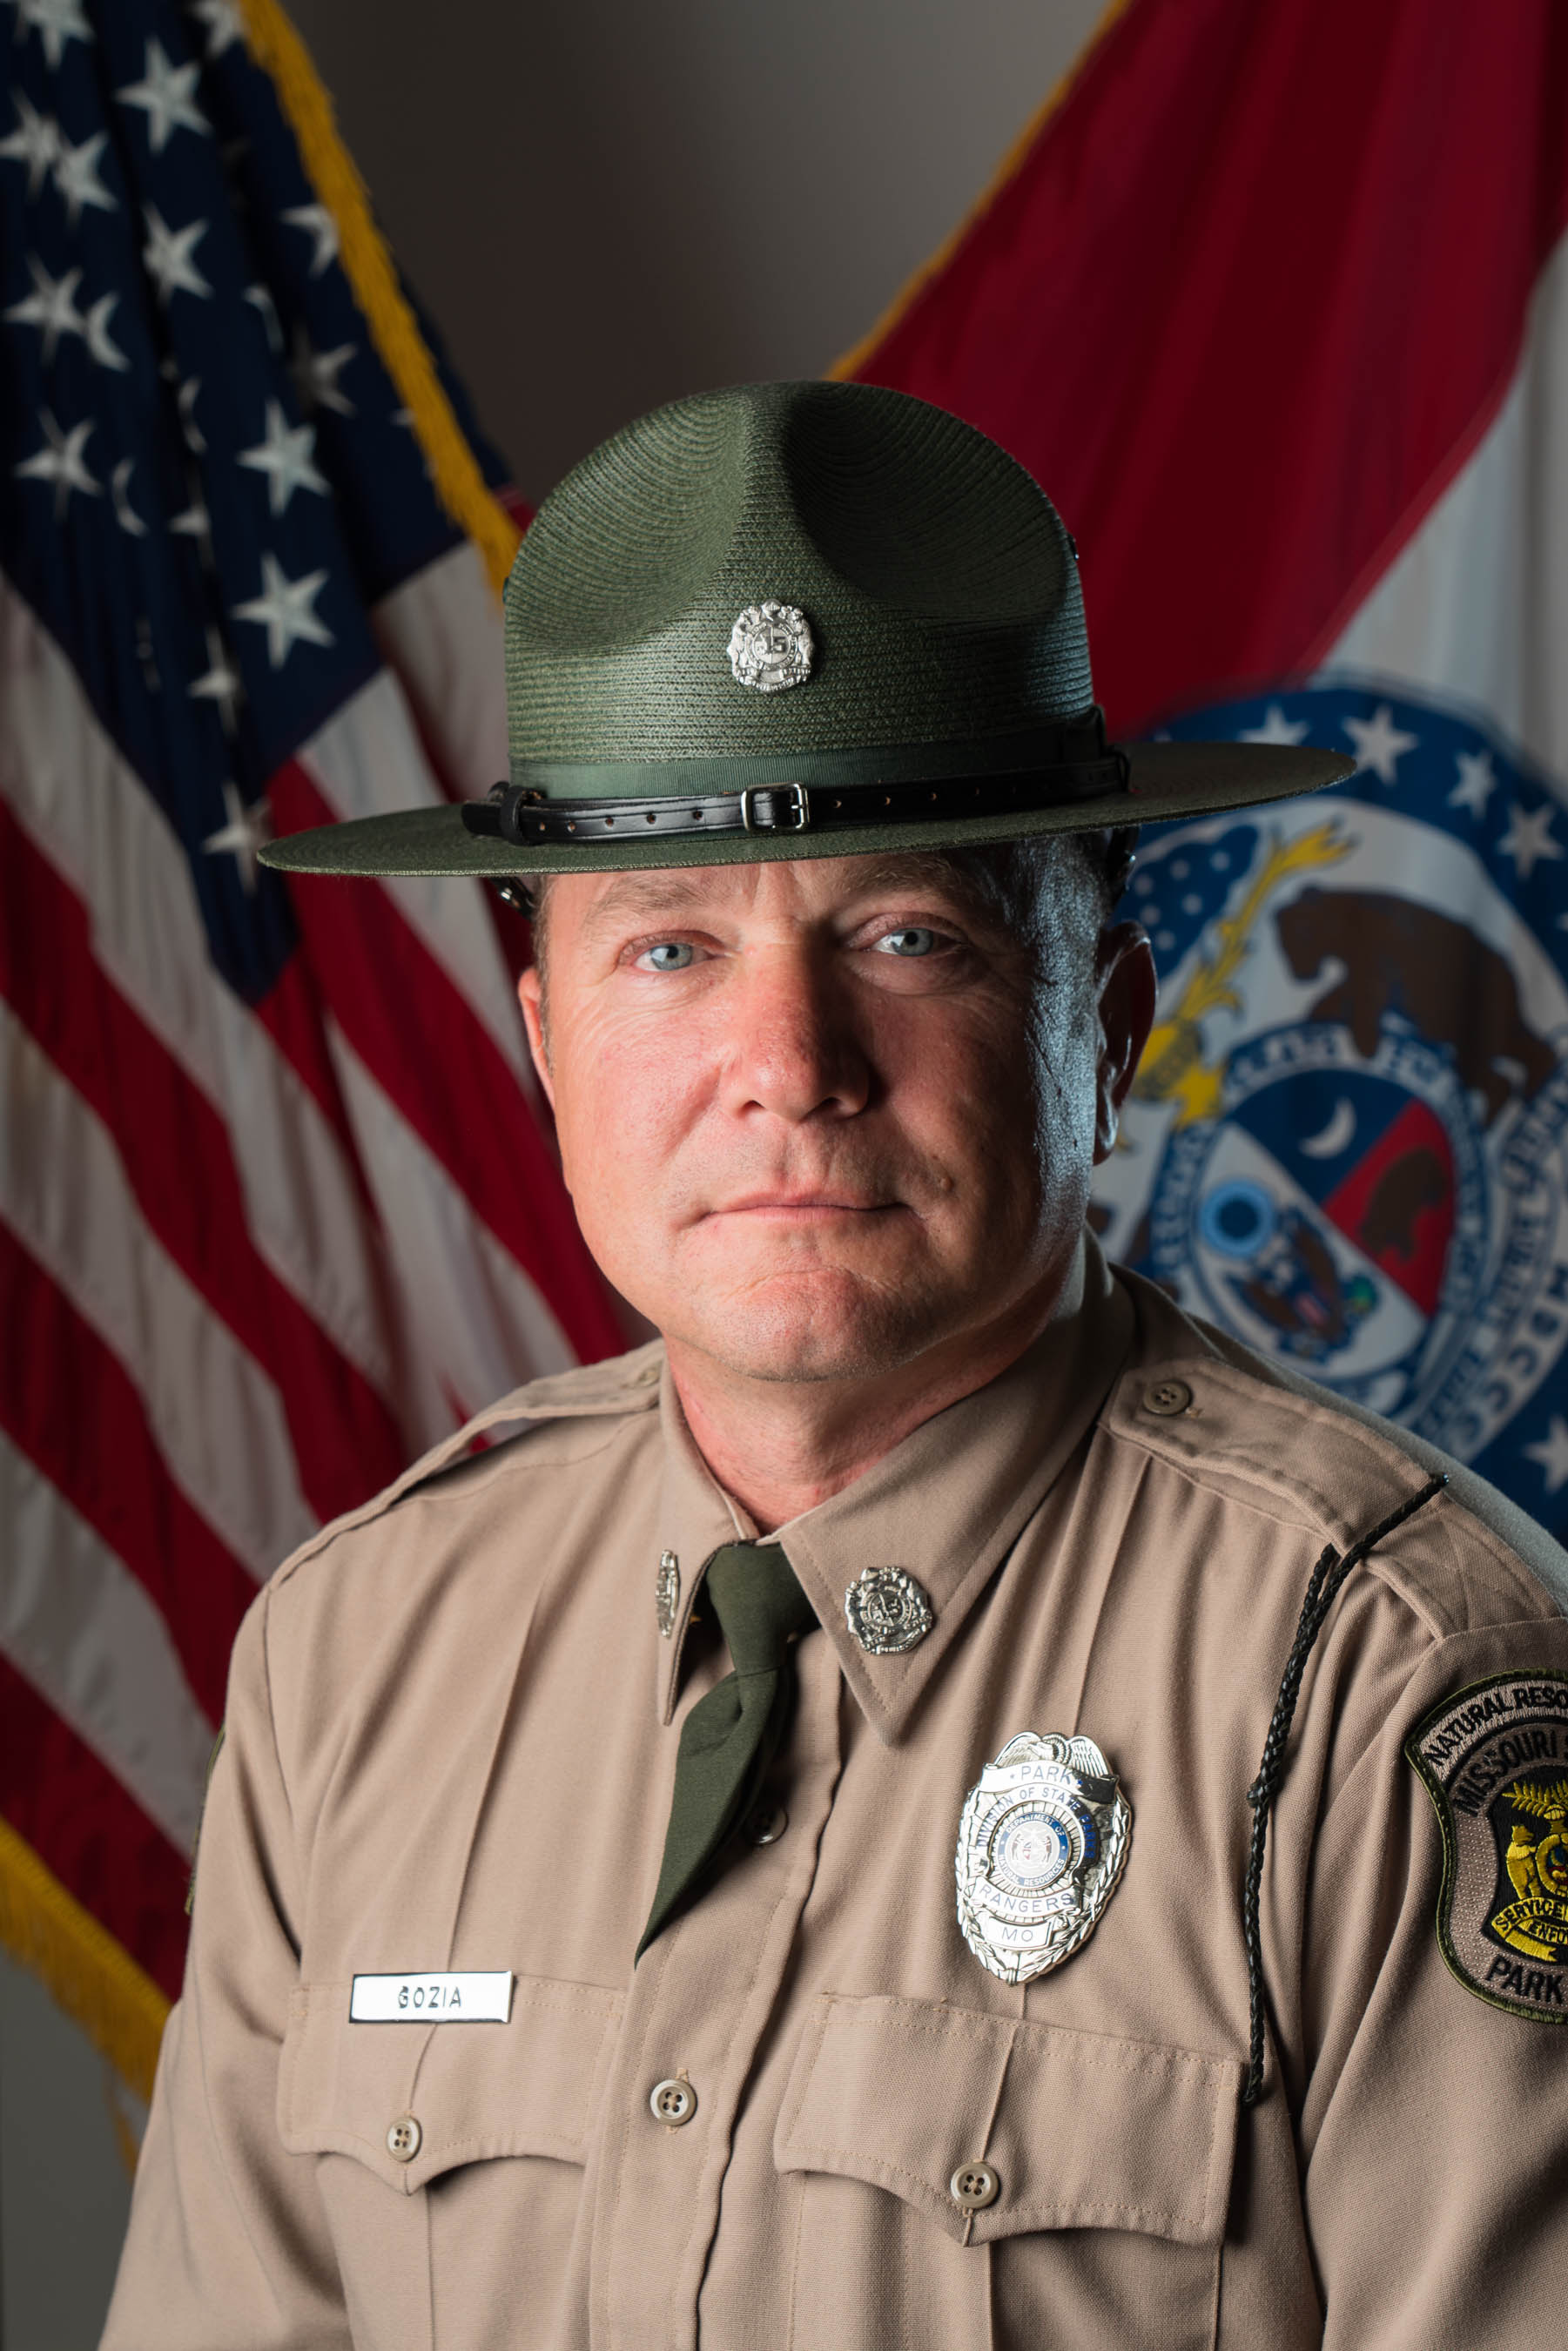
point(1324, 1587)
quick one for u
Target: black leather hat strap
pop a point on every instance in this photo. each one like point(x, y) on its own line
point(527, 817)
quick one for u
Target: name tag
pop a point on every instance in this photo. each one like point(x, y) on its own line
point(482, 1996)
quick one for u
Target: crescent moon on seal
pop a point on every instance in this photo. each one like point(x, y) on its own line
point(1334, 1135)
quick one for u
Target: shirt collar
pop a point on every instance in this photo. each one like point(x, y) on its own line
point(946, 1505)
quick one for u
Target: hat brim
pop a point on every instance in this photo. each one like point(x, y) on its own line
point(1165, 780)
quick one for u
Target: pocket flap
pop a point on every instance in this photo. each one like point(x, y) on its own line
point(529, 2086)
point(1084, 2130)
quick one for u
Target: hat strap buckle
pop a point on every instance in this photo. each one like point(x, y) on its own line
point(756, 817)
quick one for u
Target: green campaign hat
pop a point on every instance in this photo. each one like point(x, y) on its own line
point(798, 620)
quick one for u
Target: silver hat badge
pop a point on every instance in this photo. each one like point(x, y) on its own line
point(770, 647)
point(1042, 1841)
point(887, 1610)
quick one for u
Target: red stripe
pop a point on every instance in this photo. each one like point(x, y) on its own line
point(72, 1408)
point(179, 1161)
point(90, 1833)
point(1246, 307)
point(422, 1042)
point(292, 1018)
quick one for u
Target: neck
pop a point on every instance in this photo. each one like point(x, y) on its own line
point(781, 1447)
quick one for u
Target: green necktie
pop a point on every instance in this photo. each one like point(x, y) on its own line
point(732, 1735)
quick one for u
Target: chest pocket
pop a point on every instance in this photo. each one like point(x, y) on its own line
point(1107, 2163)
point(391, 2109)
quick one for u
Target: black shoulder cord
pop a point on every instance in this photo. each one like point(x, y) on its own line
point(1322, 1590)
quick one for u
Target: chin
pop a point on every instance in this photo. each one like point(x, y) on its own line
point(818, 1327)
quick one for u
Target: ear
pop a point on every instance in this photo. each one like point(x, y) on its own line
point(1125, 967)
point(530, 997)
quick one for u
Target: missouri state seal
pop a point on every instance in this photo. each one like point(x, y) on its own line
point(1347, 1140)
point(1494, 1759)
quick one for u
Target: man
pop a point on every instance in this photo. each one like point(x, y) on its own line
point(942, 1804)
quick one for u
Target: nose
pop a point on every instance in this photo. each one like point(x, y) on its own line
point(795, 1051)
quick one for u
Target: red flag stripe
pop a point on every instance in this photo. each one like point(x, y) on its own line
point(70, 1404)
point(292, 1019)
point(1188, 209)
point(180, 1165)
point(392, 1001)
point(93, 1835)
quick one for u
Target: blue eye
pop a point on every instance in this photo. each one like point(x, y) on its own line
point(910, 941)
point(670, 954)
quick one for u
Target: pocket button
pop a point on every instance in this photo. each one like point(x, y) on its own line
point(403, 2138)
point(974, 2186)
point(673, 2102)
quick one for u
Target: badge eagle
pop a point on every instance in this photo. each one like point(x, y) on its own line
point(1536, 1923)
point(1042, 1841)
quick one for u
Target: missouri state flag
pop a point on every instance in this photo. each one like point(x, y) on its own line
point(1273, 301)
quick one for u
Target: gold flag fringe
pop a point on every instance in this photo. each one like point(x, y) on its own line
point(851, 361)
point(454, 469)
point(93, 1978)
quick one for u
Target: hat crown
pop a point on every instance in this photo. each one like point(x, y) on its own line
point(798, 620)
point(936, 578)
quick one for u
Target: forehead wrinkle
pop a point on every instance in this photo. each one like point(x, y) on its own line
point(633, 893)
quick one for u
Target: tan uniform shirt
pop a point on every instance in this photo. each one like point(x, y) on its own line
point(451, 1745)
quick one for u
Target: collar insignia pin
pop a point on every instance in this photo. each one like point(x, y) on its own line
point(1042, 1841)
point(667, 1592)
point(887, 1610)
point(770, 647)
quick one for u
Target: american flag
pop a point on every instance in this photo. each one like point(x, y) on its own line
point(276, 1206)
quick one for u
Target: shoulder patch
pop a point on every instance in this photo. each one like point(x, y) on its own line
point(1494, 1758)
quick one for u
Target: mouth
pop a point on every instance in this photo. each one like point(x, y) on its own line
point(801, 1207)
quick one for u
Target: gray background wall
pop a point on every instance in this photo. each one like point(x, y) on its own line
point(604, 205)
point(608, 205)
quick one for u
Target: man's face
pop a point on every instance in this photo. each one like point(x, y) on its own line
point(820, 1117)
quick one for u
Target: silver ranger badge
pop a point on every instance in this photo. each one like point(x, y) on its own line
point(1042, 1841)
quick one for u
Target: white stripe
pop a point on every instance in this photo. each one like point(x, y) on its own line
point(477, 1325)
point(77, 1624)
point(368, 761)
point(440, 633)
point(88, 814)
point(217, 1415)
point(1475, 609)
